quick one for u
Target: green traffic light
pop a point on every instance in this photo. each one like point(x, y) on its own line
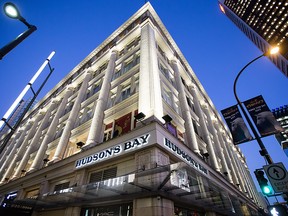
point(267, 190)
point(263, 183)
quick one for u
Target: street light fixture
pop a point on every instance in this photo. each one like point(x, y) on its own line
point(263, 151)
point(12, 11)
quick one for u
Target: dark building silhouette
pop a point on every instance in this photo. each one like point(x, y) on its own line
point(264, 23)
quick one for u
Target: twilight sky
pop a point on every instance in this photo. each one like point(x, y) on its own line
point(214, 47)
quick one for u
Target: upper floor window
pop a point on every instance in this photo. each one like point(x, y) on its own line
point(167, 97)
point(166, 73)
point(96, 88)
point(125, 94)
point(68, 107)
point(127, 66)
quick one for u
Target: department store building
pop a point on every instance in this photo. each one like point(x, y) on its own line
point(129, 131)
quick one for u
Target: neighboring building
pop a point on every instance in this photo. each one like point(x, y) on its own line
point(281, 114)
point(129, 131)
point(16, 114)
point(265, 23)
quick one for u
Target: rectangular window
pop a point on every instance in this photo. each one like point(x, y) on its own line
point(59, 131)
point(125, 94)
point(96, 88)
point(103, 175)
point(128, 66)
point(195, 127)
point(130, 46)
point(95, 177)
point(61, 186)
point(167, 97)
point(109, 173)
point(32, 194)
point(117, 74)
point(68, 107)
point(102, 68)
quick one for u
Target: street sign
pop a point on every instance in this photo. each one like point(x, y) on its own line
point(278, 177)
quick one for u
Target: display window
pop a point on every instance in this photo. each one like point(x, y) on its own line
point(178, 211)
point(115, 210)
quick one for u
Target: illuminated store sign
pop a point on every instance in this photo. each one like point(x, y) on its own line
point(113, 151)
point(181, 153)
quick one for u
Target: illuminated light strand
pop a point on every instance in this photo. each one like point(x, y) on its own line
point(24, 91)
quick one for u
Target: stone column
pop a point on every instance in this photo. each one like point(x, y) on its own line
point(150, 98)
point(185, 109)
point(8, 148)
point(64, 139)
point(244, 179)
point(12, 150)
point(250, 187)
point(22, 148)
point(34, 142)
point(218, 146)
point(229, 158)
point(37, 162)
point(254, 189)
point(235, 158)
point(205, 130)
point(95, 135)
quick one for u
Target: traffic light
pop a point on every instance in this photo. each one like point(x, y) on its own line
point(263, 182)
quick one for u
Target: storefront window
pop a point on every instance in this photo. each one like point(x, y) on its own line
point(186, 212)
point(116, 210)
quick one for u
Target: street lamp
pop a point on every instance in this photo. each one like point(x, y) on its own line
point(11, 11)
point(263, 151)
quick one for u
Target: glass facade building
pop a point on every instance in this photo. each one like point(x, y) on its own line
point(281, 114)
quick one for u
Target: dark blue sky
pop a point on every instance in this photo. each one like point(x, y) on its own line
point(214, 47)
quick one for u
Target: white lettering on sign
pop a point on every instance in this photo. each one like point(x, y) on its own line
point(113, 151)
point(174, 148)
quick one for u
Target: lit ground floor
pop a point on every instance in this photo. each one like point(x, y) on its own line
point(147, 172)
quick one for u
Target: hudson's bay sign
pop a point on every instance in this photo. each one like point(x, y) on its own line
point(184, 155)
point(112, 151)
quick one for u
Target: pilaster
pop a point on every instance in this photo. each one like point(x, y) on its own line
point(95, 135)
point(185, 109)
point(150, 98)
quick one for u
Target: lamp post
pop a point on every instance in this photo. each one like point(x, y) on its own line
point(11, 11)
point(263, 151)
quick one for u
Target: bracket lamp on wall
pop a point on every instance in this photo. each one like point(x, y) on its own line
point(206, 154)
point(80, 144)
point(45, 160)
point(140, 116)
point(167, 118)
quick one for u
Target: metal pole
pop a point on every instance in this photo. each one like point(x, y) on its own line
point(263, 151)
point(6, 49)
